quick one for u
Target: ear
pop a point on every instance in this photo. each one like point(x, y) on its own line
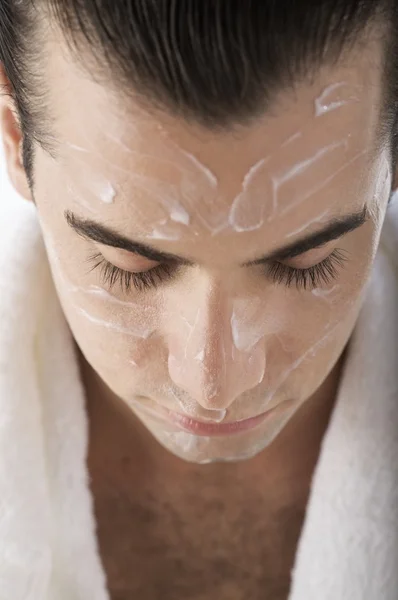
point(12, 138)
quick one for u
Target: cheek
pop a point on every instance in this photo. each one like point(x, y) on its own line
point(315, 327)
point(116, 337)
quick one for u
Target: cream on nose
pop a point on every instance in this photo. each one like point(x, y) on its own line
point(205, 361)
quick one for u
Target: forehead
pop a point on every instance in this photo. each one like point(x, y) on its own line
point(338, 100)
point(310, 137)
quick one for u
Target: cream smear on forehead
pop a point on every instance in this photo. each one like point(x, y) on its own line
point(209, 175)
point(320, 219)
point(244, 216)
point(101, 188)
point(76, 147)
point(238, 213)
point(323, 104)
point(317, 188)
point(194, 177)
point(166, 196)
point(292, 138)
point(79, 199)
point(108, 193)
point(241, 217)
point(297, 169)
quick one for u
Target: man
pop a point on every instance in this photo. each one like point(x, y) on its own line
point(211, 181)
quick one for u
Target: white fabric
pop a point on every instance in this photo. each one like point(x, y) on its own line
point(48, 551)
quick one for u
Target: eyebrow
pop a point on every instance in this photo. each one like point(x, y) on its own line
point(102, 234)
point(336, 228)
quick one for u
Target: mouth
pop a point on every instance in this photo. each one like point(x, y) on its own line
point(215, 429)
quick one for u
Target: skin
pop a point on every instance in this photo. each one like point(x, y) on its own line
point(158, 173)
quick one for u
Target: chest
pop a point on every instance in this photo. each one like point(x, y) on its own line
point(201, 547)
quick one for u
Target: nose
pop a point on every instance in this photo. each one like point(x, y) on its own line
point(204, 359)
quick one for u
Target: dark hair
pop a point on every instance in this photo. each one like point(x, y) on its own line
point(215, 62)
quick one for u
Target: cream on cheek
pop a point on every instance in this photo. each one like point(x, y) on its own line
point(289, 361)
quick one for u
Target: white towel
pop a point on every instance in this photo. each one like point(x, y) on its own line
point(348, 549)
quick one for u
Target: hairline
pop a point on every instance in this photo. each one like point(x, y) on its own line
point(49, 142)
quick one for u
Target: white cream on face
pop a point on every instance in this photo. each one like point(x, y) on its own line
point(165, 195)
point(108, 193)
point(327, 333)
point(79, 199)
point(184, 351)
point(164, 232)
point(102, 189)
point(240, 217)
point(202, 351)
point(194, 178)
point(279, 180)
point(172, 214)
point(249, 323)
point(76, 147)
point(321, 185)
point(326, 294)
point(141, 319)
point(191, 447)
point(320, 219)
point(382, 188)
point(137, 330)
point(201, 168)
point(332, 98)
point(292, 138)
point(247, 210)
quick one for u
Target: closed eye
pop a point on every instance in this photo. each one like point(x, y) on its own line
point(322, 273)
point(142, 280)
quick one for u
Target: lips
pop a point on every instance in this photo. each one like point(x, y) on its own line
point(214, 429)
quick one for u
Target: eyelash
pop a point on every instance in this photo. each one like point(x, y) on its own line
point(304, 279)
point(145, 280)
point(320, 274)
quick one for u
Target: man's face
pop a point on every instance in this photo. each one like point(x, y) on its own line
point(228, 324)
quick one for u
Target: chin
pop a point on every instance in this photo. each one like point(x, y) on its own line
point(207, 450)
